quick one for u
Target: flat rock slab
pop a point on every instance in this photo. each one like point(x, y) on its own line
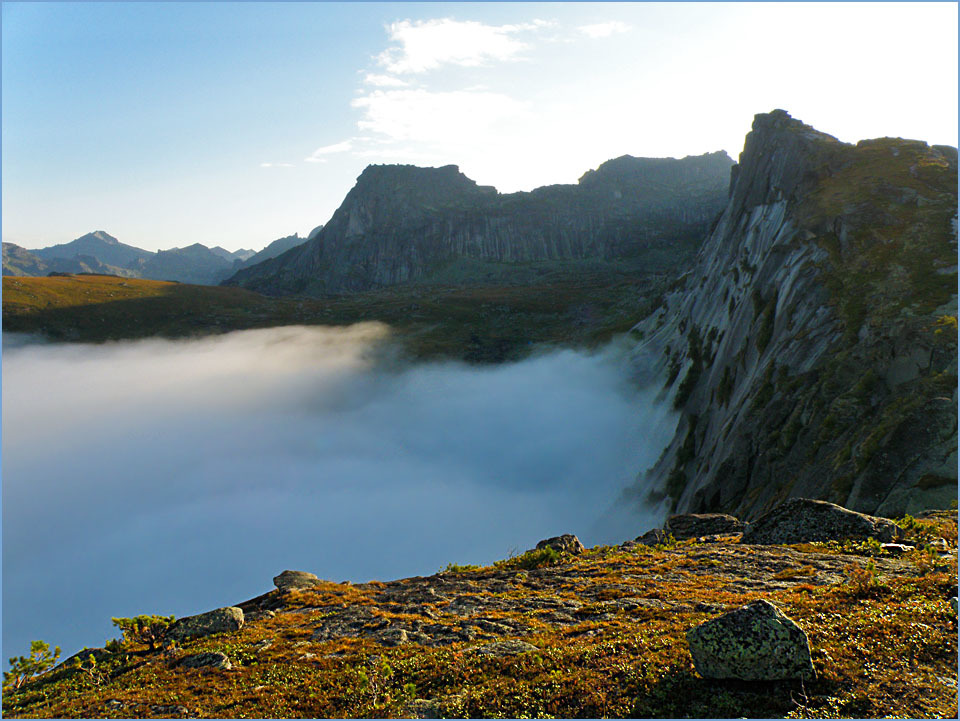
point(207, 660)
point(802, 520)
point(755, 642)
point(221, 620)
point(694, 525)
point(295, 581)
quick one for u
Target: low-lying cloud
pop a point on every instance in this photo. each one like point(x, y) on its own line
point(174, 477)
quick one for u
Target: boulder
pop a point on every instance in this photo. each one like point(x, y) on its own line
point(567, 543)
point(755, 642)
point(694, 525)
point(295, 581)
point(800, 520)
point(219, 621)
point(207, 660)
point(653, 537)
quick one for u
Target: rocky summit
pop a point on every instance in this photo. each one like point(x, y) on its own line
point(401, 224)
point(710, 626)
point(811, 349)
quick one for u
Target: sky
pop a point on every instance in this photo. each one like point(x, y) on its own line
point(233, 124)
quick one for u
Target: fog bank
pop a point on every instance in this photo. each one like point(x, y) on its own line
point(178, 476)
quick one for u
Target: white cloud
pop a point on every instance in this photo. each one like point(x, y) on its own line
point(384, 81)
point(317, 155)
point(437, 117)
point(276, 165)
point(427, 44)
point(604, 30)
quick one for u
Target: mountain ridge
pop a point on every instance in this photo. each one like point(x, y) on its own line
point(403, 224)
point(809, 345)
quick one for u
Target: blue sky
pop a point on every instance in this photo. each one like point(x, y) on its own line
point(233, 124)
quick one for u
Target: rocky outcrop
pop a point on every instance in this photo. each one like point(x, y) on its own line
point(567, 543)
point(812, 349)
point(801, 520)
point(295, 581)
point(221, 620)
point(403, 224)
point(695, 525)
point(755, 642)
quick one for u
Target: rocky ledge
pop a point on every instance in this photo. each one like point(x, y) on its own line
point(707, 626)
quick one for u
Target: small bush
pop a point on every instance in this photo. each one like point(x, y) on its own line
point(148, 630)
point(460, 568)
point(537, 558)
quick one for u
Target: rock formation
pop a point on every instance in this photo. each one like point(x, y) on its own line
point(401, 224)
point(756, 642)
point(812, 349)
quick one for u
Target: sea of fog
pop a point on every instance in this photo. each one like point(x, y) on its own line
point(173, 477)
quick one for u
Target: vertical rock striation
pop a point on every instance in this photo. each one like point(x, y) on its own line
point(812, 349)
point(403, 224)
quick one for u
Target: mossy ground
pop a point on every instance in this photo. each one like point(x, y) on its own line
point(478, 323)
point(882, 632)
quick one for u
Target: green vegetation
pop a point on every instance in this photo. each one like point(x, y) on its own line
point(23, 668)
point(478, 323)
point(149, 630)
point(537, 558)
point(883, 639)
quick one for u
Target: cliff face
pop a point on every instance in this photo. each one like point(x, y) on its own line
point(401, 224)
point(812, 350)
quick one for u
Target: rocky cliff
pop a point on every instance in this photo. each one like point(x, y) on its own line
point(401, 224)
point(812, 350)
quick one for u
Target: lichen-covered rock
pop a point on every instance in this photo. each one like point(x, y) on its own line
point(295, 581)
point(694, 525)
point(221, 620)
point(755, 642)
point(207, 660)
point(801, 520)
point(567, 543)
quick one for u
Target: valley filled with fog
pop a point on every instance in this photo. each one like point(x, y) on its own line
point(173, 477)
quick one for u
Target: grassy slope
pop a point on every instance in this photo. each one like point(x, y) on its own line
point(883, 644)
point(477, 323)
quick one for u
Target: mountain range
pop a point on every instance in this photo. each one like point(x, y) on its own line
point(99, 252)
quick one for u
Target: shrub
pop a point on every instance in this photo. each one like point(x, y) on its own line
point(537, 558)
point(23, 668)
point(460, 568)
point(148, 630)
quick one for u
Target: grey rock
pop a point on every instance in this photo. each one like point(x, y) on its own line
point(654, 537)
point(207, 660)
point(221, 620)
point(953, 602)
point(295, 581)
point(693, 525)
point(800, 520)
point(502, 648)
point(567, 543)
point(896, 549)
point(755, 642)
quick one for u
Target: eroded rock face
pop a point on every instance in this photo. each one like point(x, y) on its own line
point(694, 525)
point(567, 543)
point(403, 224)
point(755, 642)
point(295, 581)
point(221, 620)
point(801, 520)
point(802, 350)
